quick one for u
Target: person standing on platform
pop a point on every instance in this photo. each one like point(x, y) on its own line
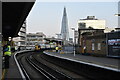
point(84, 49)
point(56, 48)
point(7, 54)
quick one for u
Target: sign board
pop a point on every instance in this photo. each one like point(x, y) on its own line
point(113, 43)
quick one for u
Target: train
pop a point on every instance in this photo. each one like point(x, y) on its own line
point(44, 46)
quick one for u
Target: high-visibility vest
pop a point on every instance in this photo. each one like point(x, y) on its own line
point(56, 48)
point(37, 47)
point(8, 52)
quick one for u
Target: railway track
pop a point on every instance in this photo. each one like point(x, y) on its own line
point(29, 72)
point(33, 69)
point(41, 59)
point(36, 65)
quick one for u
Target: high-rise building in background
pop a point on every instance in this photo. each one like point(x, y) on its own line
point(64, 27)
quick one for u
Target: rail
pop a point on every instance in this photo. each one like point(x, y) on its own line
point(20, 70)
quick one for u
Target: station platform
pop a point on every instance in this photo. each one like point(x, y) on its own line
point(110, 63)
point(105, 62)
point(12, 72)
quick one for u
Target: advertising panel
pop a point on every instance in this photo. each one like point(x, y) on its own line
point(114, 44)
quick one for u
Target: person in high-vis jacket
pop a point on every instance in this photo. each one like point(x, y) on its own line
point(7, 54)
point(57, 48)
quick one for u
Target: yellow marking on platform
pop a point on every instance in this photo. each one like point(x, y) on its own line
point(3, 74)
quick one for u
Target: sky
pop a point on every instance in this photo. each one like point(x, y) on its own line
point(46, 16)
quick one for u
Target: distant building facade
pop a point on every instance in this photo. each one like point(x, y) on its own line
point(99, 43)
point(34, 39)
point(87, 31)
point(20, 41)
point(96, 40)
point(71, 40)
point(91, 22)
point(94, 44)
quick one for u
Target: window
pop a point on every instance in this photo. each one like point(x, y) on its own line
point(82, 25)
point(99, 46)
point(93, 46)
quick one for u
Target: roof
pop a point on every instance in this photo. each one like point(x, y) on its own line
point(36, 34)
point(13, 16)
point(53, 39)
point(90, 18)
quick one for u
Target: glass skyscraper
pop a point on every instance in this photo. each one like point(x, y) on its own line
point(64, 27)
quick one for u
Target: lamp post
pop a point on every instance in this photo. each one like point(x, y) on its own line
point(74, 40)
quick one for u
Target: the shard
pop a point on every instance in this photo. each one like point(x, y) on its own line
point(64, 27)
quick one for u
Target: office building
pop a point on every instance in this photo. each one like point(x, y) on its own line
point(91, 22)
point(35, 39)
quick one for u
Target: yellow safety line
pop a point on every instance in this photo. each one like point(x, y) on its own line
point(3, 74)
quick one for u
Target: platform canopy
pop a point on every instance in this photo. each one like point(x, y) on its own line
point(13, 16)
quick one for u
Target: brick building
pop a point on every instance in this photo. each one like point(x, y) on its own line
point(96, 44)
point(93, 42)
point(100, 44)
